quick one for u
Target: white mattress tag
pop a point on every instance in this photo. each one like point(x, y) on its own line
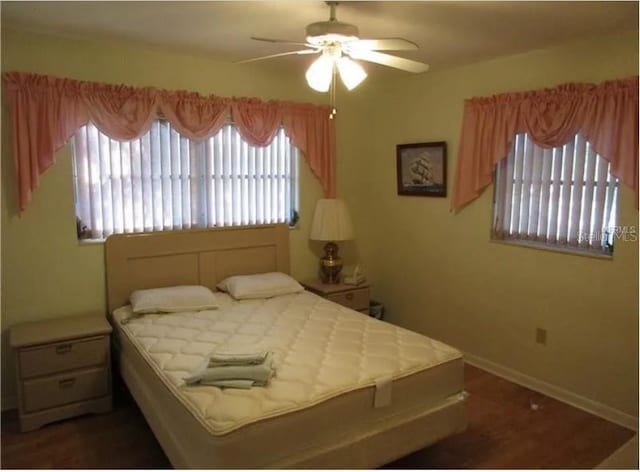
point(383, 393)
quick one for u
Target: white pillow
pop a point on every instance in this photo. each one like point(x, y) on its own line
point(270, 284)
point(173, 299)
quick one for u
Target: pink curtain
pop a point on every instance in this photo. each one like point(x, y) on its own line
point(606, 114)
point(257, 121)
point(194, 116)
point(307, 125)
point(46, 111)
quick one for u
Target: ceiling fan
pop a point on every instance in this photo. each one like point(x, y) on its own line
point(338, 44)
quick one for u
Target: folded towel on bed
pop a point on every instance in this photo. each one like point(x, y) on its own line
point(218, 359)
point(243, 384)
point(235, 376)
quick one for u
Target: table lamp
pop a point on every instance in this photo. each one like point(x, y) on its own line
point(331, 223)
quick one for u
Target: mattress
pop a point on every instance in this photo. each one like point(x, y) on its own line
point(340, 377)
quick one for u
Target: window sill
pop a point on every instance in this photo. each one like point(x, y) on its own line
point(545, 247)
point(90, 242)
point(93, 242)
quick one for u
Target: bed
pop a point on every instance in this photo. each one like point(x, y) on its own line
point(350, 390)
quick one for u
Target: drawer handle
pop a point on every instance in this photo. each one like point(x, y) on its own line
point(66, 383)
point(349, 296)
point(63, 348)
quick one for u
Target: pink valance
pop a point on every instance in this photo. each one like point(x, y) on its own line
point(46, 111)
point(606, 114)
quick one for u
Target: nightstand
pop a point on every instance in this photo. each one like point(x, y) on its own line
point(352, 296)
point(63, 368)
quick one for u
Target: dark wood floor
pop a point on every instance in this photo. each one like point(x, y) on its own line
point(504, 432)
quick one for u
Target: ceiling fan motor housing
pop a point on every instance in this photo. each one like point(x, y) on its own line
point(331, 31)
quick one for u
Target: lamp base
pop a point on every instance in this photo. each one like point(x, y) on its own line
point(330, 264)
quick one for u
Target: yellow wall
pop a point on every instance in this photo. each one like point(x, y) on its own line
point(437, 272)
point(45, 272)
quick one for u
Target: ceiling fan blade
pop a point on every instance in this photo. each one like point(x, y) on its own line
point(390, 61)
point(282, 41)
point(302, 51)
point(386, 44)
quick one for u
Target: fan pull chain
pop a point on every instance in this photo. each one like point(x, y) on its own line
point(332, 94)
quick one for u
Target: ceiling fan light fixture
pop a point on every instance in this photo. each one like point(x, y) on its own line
point(351, 73)
point(320, 73)
point(336, 40)
point(331, 38)
point(324, 32)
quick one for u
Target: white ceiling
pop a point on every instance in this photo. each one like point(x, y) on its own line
point(448, 33)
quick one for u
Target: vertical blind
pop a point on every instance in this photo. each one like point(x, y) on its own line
point(163, 181)
point(563, 196)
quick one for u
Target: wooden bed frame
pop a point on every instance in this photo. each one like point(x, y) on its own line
point(205, 257)
point(193, 257)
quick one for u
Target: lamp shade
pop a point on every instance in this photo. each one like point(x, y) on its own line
point(320, 73)
point(351, 73)
point(331, 221)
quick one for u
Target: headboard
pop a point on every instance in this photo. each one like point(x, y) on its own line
point(191, 257)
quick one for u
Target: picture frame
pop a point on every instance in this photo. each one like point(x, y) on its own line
point(422, 169)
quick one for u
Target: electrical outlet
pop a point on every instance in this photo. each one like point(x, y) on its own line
point(541, 336)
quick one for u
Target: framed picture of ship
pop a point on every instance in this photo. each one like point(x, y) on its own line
point(422, 169)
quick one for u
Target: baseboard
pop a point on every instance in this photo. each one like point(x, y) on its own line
point(625, 457)
point(9, 403)
point(595, 408)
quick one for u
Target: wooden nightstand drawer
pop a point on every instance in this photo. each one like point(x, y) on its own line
point(48, 392)
point(63, 368)
point(59, 357)
point(356, 299)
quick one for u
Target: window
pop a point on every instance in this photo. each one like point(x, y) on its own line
point(163, 181)
point(561, 197)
